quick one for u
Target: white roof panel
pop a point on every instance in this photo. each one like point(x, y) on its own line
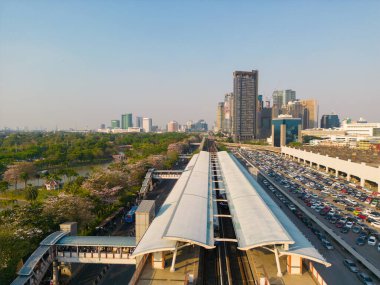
point(302, 246)
point(190, 221)
point(153, 241)
point(254, 223)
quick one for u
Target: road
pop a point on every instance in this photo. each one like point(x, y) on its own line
point(338, 273)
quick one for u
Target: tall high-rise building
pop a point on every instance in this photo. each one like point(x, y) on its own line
point(330, 121)
point(126, 121)
point(228, 112)
point(310, 115)
point(138, 122)
point(265, 122)
point(115, 124)
point(245, 105)
point(147, 125)
point(219, 124)
point(281, 98)
point(173, 126)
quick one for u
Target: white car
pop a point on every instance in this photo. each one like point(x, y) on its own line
point(371, 240)
point(349, 224)
point(376, 224)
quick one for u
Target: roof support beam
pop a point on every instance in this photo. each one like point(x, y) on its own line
point(172, 268)
point(279, 273)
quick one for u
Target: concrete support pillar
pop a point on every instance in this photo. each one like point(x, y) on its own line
point(311, 164)
point(318, 167)
point(172, 268)
point(336, 173)
point(294, 265)
point(348, 177)
point(55, 273)
point(158, 260)
point(279, 273)
point(327, 169)
point(362, 181)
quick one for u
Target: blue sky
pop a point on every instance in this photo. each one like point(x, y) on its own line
point(81, 63)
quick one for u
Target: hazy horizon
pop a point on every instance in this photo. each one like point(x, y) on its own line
point(73, 64)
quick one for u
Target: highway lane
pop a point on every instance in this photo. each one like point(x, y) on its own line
point(338, 273)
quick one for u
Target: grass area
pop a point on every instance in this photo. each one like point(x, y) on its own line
point(19, 194)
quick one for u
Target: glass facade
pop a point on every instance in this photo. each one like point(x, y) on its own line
point(292, 127)
point(277, 132)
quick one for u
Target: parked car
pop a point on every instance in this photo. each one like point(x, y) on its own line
point(327, 244)
point(364, 278)
point(360, 241)
point(372, 240)
point(351, 265)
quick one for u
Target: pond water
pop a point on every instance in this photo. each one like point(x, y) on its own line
point(84, 170)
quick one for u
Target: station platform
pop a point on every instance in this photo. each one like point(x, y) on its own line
point(265, 265)
point(187, 263)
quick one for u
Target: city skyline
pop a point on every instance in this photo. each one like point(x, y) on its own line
point(83, 70)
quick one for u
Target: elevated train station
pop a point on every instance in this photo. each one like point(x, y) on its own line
point(190, 218)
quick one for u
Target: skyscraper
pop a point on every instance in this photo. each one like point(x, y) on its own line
point(147, 125)
point(228, 112)
point(219, 124)
point(126, 121)
point(172, 126)
point(115, 124)
point(245, 105)
point(138, 122)
point(310, 118)
point(281, 98)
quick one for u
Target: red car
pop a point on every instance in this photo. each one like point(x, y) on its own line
point(339, 224)
point(363, 217)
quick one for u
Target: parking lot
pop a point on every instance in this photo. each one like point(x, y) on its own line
point(342, 211)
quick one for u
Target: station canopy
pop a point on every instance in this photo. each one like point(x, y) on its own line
point(187, 213)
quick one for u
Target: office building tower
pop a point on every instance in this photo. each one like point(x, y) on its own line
point(147, 125)
point(115, 124)
point(138, 122)
point(245, 105)
point(330, 121)
point(126, 121)
point(173, 126)
point(102, 126)
point(228, 113)
point(285, 130)
point(281, 98)
point(310, 113)
point(219, 124)
point(200, 126)
point(265, 122)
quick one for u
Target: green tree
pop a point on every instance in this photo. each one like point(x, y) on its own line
point(31, 193)
point(24, 177)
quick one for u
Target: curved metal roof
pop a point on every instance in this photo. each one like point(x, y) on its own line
point(153, 241)
point(115, 241)
point(302, 246)
point(254, 223)
point(184, 215)
point(53, 238)
point(190, 221)
point(33, 259)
